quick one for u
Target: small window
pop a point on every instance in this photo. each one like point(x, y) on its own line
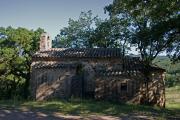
point(123, 86)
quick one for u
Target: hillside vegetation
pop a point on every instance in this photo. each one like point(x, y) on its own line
point(172, 70)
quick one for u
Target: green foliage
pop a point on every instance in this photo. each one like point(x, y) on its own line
point(153, 25)
point(16, 49)
point(108, 34)
point(89, 31)
point(172, 70)
point(77, 33)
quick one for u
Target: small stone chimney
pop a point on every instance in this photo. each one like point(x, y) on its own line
point(45, 42)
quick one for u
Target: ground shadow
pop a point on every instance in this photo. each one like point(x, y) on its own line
point(80, 109)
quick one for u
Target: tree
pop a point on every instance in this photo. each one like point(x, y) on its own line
point(77, 33)
point(16, 50)
point(153, 25)
point(108, 34)
point(89, 32)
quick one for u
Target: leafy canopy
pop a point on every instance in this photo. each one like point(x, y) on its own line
point(152, 24)
point(77, 33)
point(16, 49)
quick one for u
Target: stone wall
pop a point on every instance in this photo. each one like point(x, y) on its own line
point(62, 82)
point(120, 88)
point(132, 89)
point(126, 86)
point(151, 92)
point(156, 89)
point(51, 83)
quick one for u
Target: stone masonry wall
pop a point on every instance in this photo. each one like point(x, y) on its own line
point(51, 83)
point(130, 86)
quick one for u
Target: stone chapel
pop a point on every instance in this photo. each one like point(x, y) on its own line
point(96, 73)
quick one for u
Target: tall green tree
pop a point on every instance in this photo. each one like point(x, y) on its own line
point(89, 32)
point(16, 49)
point(108, 34)
point(153, 25)
point(77, 33)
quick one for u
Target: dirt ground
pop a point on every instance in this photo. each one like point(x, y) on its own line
point(26, 114)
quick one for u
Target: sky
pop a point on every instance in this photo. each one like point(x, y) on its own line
point(51, 15)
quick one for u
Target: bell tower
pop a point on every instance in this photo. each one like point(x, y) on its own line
point(45, 42)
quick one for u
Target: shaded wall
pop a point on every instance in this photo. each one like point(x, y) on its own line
point(119, 88)
point(97, 82)
point(132, 88)
point(51, 83)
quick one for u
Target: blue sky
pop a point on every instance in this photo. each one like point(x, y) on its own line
point(52, 15)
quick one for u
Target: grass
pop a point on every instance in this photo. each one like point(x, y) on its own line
point(173, 97)
point(91, 107)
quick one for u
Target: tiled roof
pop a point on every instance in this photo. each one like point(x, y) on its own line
point(127, 71)
point(129, 67)
point(115, 71)
point(54, 65)
point(130, 64)
point(80, 53)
